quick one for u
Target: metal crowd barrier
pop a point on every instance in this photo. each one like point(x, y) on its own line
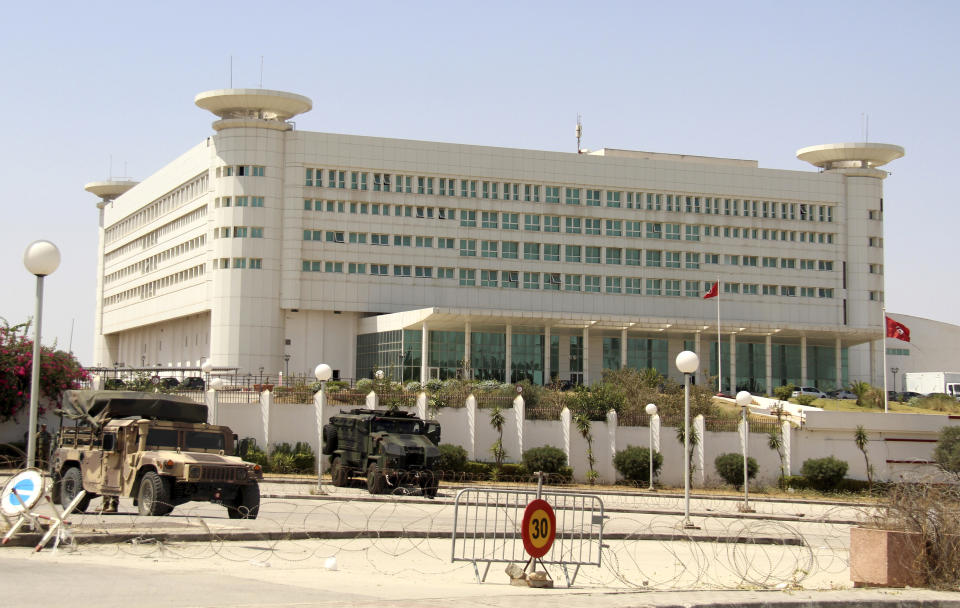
point(486, 528)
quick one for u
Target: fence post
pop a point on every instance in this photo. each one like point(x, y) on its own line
point(266, 401)
point(471, 407)
point(565, 419)
point(520, 413)
point(212, 405)
point(699, 472)
point(372, 400)
point(612, 425)
point(422, 405)
point(787, 434)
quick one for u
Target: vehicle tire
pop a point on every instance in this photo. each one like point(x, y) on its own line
point(338, 474)
point(70, 485)
point(329, 443)
point(429, 483)
point(375, 480)
point(247, 503)
point(153, 495)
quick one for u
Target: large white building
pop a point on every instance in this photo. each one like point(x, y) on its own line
point(265, 247)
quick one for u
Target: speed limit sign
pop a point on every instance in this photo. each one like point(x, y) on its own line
point(539, 528)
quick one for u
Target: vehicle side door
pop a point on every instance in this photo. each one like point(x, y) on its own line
point(91, 462)
point(111, 459)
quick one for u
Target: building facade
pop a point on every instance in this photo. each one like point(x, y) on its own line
point(265, 247)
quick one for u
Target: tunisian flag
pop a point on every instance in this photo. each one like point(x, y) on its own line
point(897, 330)
point(715, 291)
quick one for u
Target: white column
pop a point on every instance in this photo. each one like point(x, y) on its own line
point(266, 400)
point(838, 355)
point(768, 355)
point(372, 401)
point(471, 407)
point(873, 361)
point(608, 471)
point(212, 405)
point(623, 349)
point(319, 405)
point(699, 471)
point(586, 356)
point(704, 361)
point(424, 348)
point(563, 367)
point(422, 405)
point(507, 373)
point(787, 441)
point(546, 355)
point(520, 416)
point(565, 419)
point(467, 363)
point(804, 380)
point(733, 364)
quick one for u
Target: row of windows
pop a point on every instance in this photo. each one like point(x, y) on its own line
point(151, 263)
point(240, 171)
point(225, 263)
point(237, 201)
point(177, 197)
point(419, 212)
point(149, 290)
point(238, 232)
point(472, 188)
point(153, 237)
point(901, 352)
point(471, 277)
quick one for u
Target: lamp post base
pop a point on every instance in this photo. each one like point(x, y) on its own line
point(745, 509)
point(689, 525)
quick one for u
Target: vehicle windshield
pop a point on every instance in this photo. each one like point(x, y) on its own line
point(403, 427)
point(162, 438)
point(199, 440)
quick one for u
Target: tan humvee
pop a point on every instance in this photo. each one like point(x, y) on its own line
point(157, 449)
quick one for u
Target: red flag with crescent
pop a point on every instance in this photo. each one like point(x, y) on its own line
point(897, 330)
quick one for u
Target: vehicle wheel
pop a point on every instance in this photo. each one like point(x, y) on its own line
point(153, 497)
point(338, 474)
point(247, 503)
point(70, 485)
point(375, 481)
point(428, 483)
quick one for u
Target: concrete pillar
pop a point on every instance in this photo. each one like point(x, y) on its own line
point(212, 406)
point(471, 407)
point(873, 362)
point(699, 471)
point(565, 420)
point(804, 378)
point(623, 349)
point(266, 401)
point(733, 364)
point(520, 416)
point(508, 372)
point(546, 355)
point(319, 407)
point(467, 362)
point(586, 356)
point(424, 351)
point(768, 355)
point(605, 467)
point(422, 405)
point(563, 367)
point(372, 401)
point(838, 353)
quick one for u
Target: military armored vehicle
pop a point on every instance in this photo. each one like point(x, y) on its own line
point(392, 448)
point(157, 449)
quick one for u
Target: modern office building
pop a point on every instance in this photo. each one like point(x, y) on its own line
point(267, 247)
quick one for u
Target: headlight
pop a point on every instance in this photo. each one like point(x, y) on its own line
point(194, 472)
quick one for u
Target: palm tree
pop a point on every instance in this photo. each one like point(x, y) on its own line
point(497, 421)
point(694, 442)
point(582, 420)
point(861, 439)
point(860, 389)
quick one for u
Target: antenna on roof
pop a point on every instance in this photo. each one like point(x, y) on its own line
point(579, 132)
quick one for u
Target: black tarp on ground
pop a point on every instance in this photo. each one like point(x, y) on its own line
point(99, 406)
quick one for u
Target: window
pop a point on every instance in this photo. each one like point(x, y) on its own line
point(711, 258)
point(333, 267)
point(673, 232)
point(653, 259)
point(691, 289)
point(808, 264)
point(468, 277)
point(552, 194)
point(572, 253)
point(876, 268)
point(380, 239)
point(486, 193)
point(824, 292)
point(671, 287)
point(572, 196)
point(257, 264)
point(445, 273)
point(571, 282)
point(613, 255)
point(511, 221)
point(358, 237)
point(614, 227)
point(632, 286)
point(750, 260)
point(613, 284)
point(731, 260)
point(591, 226)
point(632, 257)
point(531, 251)
point(468, 218)
point(788, 263)
point(653, 202)
point(593, 198)
point(488, 249)
point(531, 193)
point(551, 281)
point(257, 201)
point(769, 262)
point(750, 288)
point(355, 268)
point(511, 279)
point(468, 247)
point(654, 287)
point(241, 201)
point(592, 255)
point(531, 280)
point(531, 222)
point(692, 233)
point(334, 237)
point(788, 290)
point(613, 199)
point(401, 240)
point(808, 292)
point(769, 290)
point(825, 265)
point(423, 272)
point(573, 225)
point(424, 241)
point(489, 219)
point(671, 259)
point(309, 179)
point(692, 260)
point(510, 249)
point(633, 228)
point(239, 232)
point(551, 223)
point(731, 287)
point(239, 262)
point(488, 278)
point(876, 296)
point(551, 252)
point(591, 284)
point(654, 230)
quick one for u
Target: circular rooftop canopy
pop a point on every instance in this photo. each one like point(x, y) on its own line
point(253, 103)
point(109, 190)
point(868, 155)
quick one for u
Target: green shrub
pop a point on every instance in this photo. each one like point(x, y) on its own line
point(937, 403)
point(730, 468)
point(477, 471)
point(364, 385)
point(510, 471)
point(634, 463)
point(546, 458)
point(804, 399)
point(256, 455)
point(783, 392)
point(824, 473)
point(282, 463)
point(947, 452)
point(794, 482)
point(453, 458)
point(337, 385)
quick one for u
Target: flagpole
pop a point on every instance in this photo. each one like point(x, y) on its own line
point(719, 345)
point(883, 345)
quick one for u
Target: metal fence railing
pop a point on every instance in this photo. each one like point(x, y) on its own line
point(486, 528)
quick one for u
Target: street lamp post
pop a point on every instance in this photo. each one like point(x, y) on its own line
point(286, 372)
point(651, 410)
point(744, 399)
point(687, 362)
point(322, 373)
point(206, 368)
point(41, 258)
point(894, 370)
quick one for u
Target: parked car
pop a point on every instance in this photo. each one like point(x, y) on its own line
point(907, 396)
point(193, 383)
point(841, 394)
point(809, 390)
point(169, 382)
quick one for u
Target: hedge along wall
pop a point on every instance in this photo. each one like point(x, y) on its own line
point(824, 434)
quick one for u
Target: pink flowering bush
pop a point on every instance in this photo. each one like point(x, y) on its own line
point(59, 371)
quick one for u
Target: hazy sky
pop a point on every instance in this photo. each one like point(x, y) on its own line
point(83, 82)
